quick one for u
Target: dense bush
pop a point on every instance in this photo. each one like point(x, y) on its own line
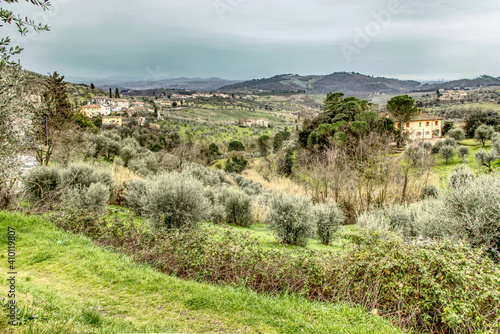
point(238, 208)
point(93, 198)
point(175, 200)
point(457, 134)
point(136, 191)
point(475, 208)
point(469, 209)
point(235, 145)
point(41, 182)
point(461, 176)
point(450, 141)
point(235, 165)
point(248, 186)
point(429, 191)
point(437, 146)
point(84, 175)
point(328, 218)
point(289, 217)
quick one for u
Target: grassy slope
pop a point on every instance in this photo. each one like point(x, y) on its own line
point(75, 286)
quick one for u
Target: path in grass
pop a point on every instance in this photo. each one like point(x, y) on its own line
point(73, 286)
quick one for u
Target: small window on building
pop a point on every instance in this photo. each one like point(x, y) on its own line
point(426, 123)
point(436, 123)
point(427, 133)
point(407, 125)
point(419, 133)
point(419, 124)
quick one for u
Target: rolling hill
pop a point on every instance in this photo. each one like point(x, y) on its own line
point(482, 81)
point(352, 84)
point(198, 84)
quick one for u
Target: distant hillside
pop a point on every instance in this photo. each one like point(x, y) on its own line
point(78, 93)
point(198, 84)
point(482, 81)
point(352, 84)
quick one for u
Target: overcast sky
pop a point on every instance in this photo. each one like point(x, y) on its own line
point(244, 39)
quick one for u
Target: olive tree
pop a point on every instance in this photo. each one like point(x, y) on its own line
point(483, 133)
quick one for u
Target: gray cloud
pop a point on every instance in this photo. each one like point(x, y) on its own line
point(257, 38)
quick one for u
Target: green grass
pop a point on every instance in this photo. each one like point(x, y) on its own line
point(256, 231)
point(70, 285)
point(267, 239)
point(443, 169)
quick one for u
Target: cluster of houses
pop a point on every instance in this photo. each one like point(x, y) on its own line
point(111, 110)
point(452, 94)
point(258, 123)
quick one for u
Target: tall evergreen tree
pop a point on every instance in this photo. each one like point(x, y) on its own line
point(402, 108)
point(110, 94)
point(50, 120)
point(117, 93)
point(92, 86)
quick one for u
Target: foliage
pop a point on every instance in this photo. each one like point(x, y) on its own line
point(447, 152)
point(463, 152)
point(15, 119)
point(174, 201)
point(478, 118)
point(52, 118)
point(42, 182)
point(402, 108)
point(430, 192)
point(235, 165)
point(447, 126)
point(285, 164)
point(450, 141)
point(337, 108)
point(288, 216)
point(238, 209)
point(46, 184)
point(475, 206)
point(485, 158)
point(483, 133)
point(89, 199)
point(264, 144)
point(328, 218)
point(136, 191)
point(235, 145)
point(457, 134)
point(23, 25)
point(427, 286)
point(468, 209)
point(127, 153)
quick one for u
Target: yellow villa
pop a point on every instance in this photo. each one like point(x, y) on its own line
point(91, 110)
point(423, 126)
point(111, 121)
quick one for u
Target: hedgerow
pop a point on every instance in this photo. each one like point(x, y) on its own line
point(438, 287)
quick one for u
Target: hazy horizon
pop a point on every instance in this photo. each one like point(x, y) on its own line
point(243, 39)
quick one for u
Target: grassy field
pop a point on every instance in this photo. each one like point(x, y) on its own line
point(67, 284)
point(257, 231)
point(443, 169)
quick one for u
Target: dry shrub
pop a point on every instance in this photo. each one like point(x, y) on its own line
point(274, 182)
point(260, 210)
point(121, 177)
